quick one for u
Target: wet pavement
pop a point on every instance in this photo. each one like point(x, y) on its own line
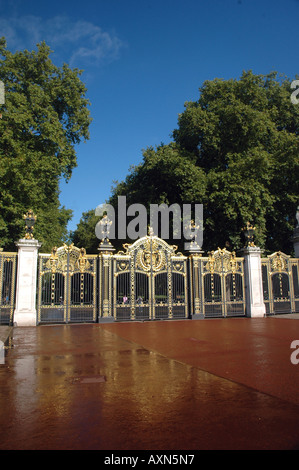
point(172, 385)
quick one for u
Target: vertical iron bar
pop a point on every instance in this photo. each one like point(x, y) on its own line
point(151, 280)
point(67, 291)
point(169, 286)
point(223, 289)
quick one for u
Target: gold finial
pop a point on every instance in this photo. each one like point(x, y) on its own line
point(30, 219)
point(249, 233)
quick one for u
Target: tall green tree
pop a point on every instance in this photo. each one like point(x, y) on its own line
point(44, 117)
point(165, 175)
point(236, 151)
point(244, 134)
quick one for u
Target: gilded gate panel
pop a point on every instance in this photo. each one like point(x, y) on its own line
point(8, 269)
point(67, 286)
point(217, 284)
point(150, 281)
point(280, 283)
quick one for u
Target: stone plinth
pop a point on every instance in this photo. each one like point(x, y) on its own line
point(255, 306)
point(25, 312)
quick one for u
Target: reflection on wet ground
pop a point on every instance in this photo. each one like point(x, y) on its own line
point(87, 387)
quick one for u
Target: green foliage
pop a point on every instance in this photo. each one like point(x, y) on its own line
point(84, 236)
point(166, 175)
point(236, 151)
point(44, 116)
point(244, 134)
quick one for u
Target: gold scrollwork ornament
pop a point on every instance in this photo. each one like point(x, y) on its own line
point(147, 259)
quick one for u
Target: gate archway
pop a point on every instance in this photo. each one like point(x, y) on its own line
point(150, 281)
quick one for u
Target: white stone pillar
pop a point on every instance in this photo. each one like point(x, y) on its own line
point(255, 306)
point(25, 312)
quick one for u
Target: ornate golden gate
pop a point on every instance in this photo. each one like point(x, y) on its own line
point(67, 286)
point(280, 283)
point(149, 281)
point(8, 267)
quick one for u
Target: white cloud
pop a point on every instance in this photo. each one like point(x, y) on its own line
point(77, 42)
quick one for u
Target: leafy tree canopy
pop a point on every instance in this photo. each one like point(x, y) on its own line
point(236, 151)
point(44, 116)
point(84, 236)
point(244, 134)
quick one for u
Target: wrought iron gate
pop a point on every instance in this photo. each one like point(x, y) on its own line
point(8, 268)
point(280, 283)
point(67, 286)
point(150, 281)
point(147, 281)
point(217, 284)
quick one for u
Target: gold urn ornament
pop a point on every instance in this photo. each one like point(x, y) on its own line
point(30, 219)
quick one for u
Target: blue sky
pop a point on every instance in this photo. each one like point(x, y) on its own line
point(142, 60)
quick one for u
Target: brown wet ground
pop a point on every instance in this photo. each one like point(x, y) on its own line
point(177, 385)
